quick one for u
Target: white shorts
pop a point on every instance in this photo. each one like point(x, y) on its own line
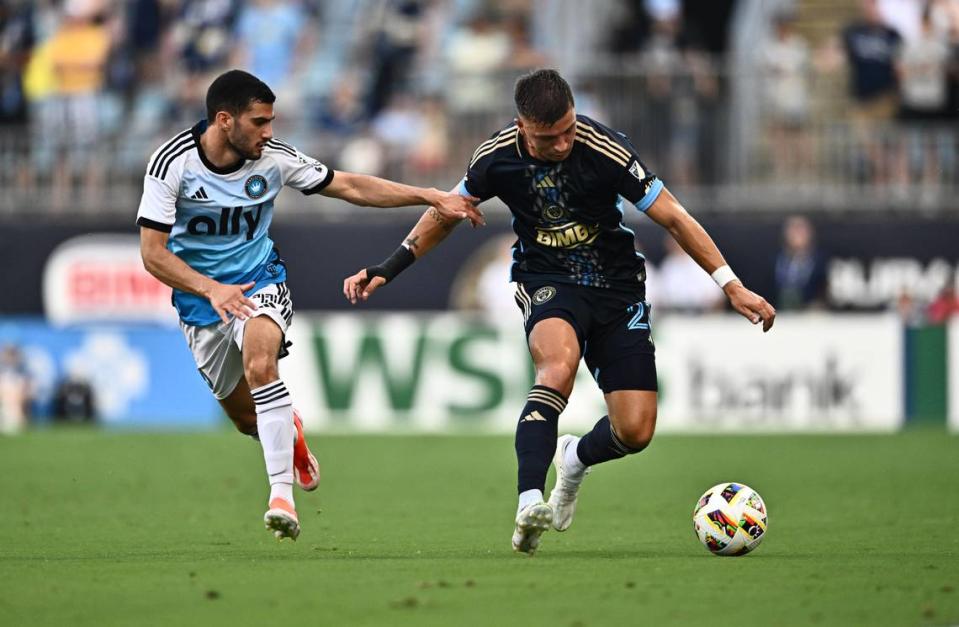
point(217, 348)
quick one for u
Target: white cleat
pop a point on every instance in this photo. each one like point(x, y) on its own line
point(281, 520)
point(531, 522)
point(563, 497)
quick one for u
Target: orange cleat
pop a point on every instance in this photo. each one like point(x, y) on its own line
point(281, 520)
point(306, 470)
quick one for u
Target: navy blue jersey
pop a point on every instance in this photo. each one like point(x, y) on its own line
point(568, 215)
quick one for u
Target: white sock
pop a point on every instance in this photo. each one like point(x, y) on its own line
point(528, 498)
point(274, 424)
point(571, 463)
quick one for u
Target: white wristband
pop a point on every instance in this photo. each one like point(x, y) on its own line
point(723, 275)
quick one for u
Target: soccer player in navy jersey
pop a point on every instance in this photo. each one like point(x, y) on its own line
point(204, 218)
point(579, 284)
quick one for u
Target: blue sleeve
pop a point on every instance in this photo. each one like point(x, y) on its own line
point(654, 188)
point(463, 190)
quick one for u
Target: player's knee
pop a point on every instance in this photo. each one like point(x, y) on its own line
point(636, 437)
point(637, 432)
point(260, 370)
point(558, 376)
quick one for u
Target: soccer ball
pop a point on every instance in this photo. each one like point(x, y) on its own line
point(730, 519)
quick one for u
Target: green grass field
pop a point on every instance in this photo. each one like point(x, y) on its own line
point(141, 529)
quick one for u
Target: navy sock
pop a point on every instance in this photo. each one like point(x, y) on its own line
point(536, 436)
point(601, 445)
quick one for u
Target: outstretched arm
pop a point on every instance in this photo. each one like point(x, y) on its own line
point(431, 229)
point(370, 191)
point(688, 233)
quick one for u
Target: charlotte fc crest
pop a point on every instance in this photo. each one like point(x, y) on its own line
point(255, 186)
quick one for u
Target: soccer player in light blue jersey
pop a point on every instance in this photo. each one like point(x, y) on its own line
point(204, 230)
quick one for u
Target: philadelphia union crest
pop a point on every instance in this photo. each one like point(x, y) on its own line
point(543, 294)
point(255, 186)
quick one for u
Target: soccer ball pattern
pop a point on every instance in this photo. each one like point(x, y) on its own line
point(730, 519)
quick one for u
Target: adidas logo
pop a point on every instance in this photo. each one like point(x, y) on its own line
point(200, 194)
point(533, 416)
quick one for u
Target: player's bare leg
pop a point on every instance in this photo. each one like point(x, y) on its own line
point(274, 421)
point(627, 430)
point(241, 410)
point(632, 414)
point(555, 350)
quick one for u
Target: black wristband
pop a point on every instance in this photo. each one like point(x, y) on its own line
point(400, 260)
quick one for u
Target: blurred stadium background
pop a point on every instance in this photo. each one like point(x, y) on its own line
point(816, 140)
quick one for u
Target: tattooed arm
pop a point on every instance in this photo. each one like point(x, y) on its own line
point(431, 229)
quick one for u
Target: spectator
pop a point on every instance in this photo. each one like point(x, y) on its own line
point(202, 37)
point(78, 55)
point(15, 391)
point(923, 80)
point(909, 310)
point(475, 54)
point(396, 39)
point(800, 268)
point(272, 53)
point(341, 112)
point(667, 141)
point(17, 39)
point(523, 56)
point(74, 401)
point(945, 15)
point(430, 152)
point(400, 127)
point(681, 285)
point(145, 23)
point(785, 70)
point(944, 305)
point(871, 48)
point(39, 88)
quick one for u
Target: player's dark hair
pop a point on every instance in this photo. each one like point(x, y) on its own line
point(543, 96)
point(234, 92)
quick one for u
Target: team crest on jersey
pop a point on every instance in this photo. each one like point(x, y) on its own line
point(554, 212)
point(543, 294)
point(255, 186)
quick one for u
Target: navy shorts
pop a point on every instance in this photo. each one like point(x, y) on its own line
point(612, 327)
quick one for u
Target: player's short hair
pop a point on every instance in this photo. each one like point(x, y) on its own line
point(234, 92)
point(543, 96)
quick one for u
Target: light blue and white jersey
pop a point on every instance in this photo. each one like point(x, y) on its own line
point(219, 219)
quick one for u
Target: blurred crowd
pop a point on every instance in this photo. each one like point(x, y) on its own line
point(406, 87)
point(901, 59)
point(379, 84)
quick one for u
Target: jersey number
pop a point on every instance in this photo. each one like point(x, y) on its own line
point(229, 222)
point(637, 321)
